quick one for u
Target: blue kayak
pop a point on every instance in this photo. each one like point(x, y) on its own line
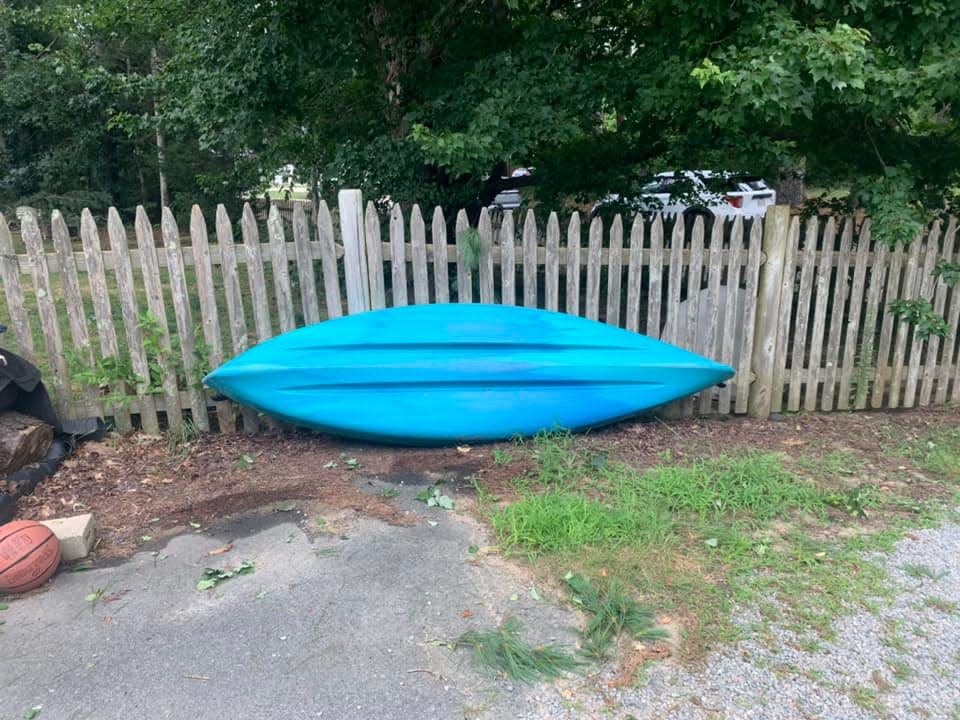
point(441, 374)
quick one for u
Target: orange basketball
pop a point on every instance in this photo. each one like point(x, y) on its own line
point(29, 555)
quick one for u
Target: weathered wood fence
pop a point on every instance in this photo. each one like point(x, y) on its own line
point(125, 323)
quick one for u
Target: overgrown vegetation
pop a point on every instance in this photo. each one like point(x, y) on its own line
point(502, 651)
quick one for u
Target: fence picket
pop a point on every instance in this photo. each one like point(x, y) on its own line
point(485, 271)
point(909, 293)
point(73, 299)
point(635, 274)
point(594, 257)
point(418, 250)
point(508, 260)
point(374, 250)
point(877, 279)
point(441, 267)
point(356, 278)
point(926, 283)
point(13, 292)
point(100, 293)
point(694, 280)
point(530, 260)
point(573, 265)
point(464, 271)
point(551, 264)
point(825, 268)
point(728, 330)
point(305, 277)
point(851, 338)
point(328, 262)
point(749, 316)
point(209, 317)
point(797, 370)
point(126, 293)
point(615, 272)
point(655, 292)
point(708, 345)
point(239, 338)
point(280, 270)
point(836, 319)
point(783, 325)
point(398, 256)
point(939, 306)
point(887, 331)
point(158, 321)
point(952, 317)
point(674, 280)
point(47, 309)
point(184, 318)
point(258, 283)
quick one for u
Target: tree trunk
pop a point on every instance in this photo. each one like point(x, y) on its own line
point(791, 186)
point(161, 144)
point(23, 440)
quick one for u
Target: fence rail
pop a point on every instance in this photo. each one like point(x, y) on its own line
point(125, 319)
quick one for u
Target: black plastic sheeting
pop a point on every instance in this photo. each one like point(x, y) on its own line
point(22, 389)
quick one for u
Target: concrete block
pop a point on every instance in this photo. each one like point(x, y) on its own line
point(75, 535)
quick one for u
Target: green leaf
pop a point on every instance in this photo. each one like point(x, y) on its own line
point(4, 606)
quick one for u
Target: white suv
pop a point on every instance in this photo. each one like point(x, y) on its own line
point(701, 192)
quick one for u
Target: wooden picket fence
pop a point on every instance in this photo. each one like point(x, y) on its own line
point(124, 324)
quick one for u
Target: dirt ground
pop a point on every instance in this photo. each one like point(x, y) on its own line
point(140, 486)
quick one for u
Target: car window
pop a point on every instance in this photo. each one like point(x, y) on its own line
point(752, 182)
point(660, 186)
point(720, 184)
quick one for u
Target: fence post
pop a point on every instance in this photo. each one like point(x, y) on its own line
point(776, 227)
point(350, 203)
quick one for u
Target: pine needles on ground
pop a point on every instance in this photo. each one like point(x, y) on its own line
point(613, 612)
point(502, 651)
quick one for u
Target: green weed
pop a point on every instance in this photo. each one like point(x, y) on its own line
point(921, 572)
point(836, 463)
point(938, 453)
point(948, 607)
point(502, 457)
point(901, 670)
point(501, 651)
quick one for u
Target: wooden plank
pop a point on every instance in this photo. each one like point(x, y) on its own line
point(398, 258)
point(824, 270)
point(209, 313)
point(378, 292)
point(355, 274)
point(530, 260)
point(485, 229)
point(615, 272)
point(786, 311)
point(328, 262)
point(693, 329)
point(798, 374)
point(508, 260)
point(255, 274)
point(939, 292)
point(840, 291)
point(281, 271)
point(594, 265)
point(551, 271)
point(655, 292)
point(305, 277)
point(852, 345)
point(909, 292)
point(730, 316)
point(100, 293)
point(13, 292)
point(952, 316)
point(157, 322)
point(926, 284)
point(464, 271)
point(878, 274)
point(418, 242)
point(674, 281)
point(745, 371)
point(184, 317)
point(441, 262)
point(73, 300)
point(239, 338)
point(635, 274)
point(59, 380)
point(709, 338)
point(129, 308)
point(888, 329)
point(573, 264)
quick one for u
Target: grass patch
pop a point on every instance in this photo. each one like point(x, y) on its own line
point(834, 464)
point(938, 453)
point(612, 612)
point(921, 572)
point(501, 651)
point(948, 607)
point(900, 670)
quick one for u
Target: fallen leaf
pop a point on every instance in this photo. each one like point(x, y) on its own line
point(467, 614)
point(221, 550)
point(793, 442)
point(463, 449)
point(566, 693)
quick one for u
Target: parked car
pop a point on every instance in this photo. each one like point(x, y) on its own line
point(703, 192)
point(510, 199)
